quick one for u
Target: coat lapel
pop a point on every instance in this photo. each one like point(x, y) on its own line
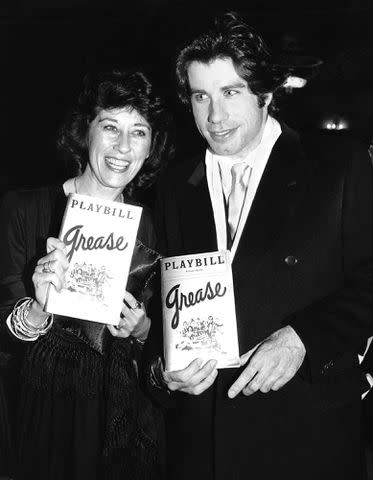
point(278, 195)
point(197, 218)
point(275, 200)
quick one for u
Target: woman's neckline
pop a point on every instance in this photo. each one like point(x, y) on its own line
point(70, 187)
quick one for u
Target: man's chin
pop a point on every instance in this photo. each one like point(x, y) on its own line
point(222, 150)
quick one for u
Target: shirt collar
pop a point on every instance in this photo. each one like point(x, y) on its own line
point(271, 132)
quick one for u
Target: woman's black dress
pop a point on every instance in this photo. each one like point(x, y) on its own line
point(81, 411)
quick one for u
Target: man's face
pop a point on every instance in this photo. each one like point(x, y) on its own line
point(226, 113)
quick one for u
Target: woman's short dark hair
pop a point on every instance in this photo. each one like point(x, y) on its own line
point(231, 38)
point(110, 90)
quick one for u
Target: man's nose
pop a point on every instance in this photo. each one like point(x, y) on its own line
point(217, 112)
point(122, 143)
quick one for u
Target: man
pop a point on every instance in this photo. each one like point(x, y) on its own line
point(296, 215)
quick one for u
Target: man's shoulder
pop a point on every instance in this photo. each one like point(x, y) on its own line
point(322, 140)
point(325, 148)
point(183, 169)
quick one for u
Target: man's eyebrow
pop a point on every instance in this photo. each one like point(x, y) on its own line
point(223, 88)
point(233, 86)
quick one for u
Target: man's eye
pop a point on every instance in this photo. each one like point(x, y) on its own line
point(200, 97)
point(230, 93)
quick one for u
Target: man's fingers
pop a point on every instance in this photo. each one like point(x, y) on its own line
point(278, 384)
point(271, 364)
point(246, 356)
point(241, 382)
point(255, 384)
point(263, 382)
point(203, 385)
point(192, 381)
point(283, 380)
point(184, 374)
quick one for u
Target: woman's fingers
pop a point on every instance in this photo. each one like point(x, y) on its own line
point(133, 319)
point(51, 266)
point(127, 325)
point(130, 301)
point(54, 256)
point(42, 277)
point(118, 331)
point(132, 310)
point(55, 243)
point(50, 269)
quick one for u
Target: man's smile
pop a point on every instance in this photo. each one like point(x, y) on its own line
point(222, 135)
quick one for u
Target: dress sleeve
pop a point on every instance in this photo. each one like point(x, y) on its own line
point(13, 257)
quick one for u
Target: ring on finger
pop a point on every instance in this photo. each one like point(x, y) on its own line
point(119, 326)
point(47, 267)
point(136, 305)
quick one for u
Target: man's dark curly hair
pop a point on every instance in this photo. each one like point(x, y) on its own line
point(231, 38)
point(110, 90)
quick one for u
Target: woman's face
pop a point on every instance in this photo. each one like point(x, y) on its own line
point(119, 141)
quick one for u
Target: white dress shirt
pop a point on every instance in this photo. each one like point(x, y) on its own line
point(218, 171)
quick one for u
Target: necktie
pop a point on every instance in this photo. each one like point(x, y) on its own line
point(237, 195)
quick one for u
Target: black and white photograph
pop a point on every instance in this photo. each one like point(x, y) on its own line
point(142, 141)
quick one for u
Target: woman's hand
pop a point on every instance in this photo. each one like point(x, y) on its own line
point(133, 320)
point(50, 269)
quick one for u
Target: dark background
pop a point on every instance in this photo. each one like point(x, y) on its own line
point(47, 47)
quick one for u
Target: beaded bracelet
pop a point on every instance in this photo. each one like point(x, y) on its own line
point(21, 327)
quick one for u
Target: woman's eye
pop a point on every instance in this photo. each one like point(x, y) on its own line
point(139, 133)
point(111, 128)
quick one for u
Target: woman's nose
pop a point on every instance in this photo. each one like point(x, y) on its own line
point(122, 143)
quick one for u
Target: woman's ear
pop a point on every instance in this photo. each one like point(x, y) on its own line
point(268, 99)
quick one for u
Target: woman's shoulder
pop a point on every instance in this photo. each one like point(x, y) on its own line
point(28, 205)
point(23, 197)
point(146, 231)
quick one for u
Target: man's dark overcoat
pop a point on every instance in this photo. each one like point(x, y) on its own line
point(305, 258)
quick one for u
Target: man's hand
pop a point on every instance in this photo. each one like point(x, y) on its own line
point(271, 363)
point(194, 379)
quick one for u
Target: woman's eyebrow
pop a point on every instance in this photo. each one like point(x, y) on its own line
point(139, 124)
point(107, 118)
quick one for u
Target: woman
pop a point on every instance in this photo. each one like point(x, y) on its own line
point(81, 411)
